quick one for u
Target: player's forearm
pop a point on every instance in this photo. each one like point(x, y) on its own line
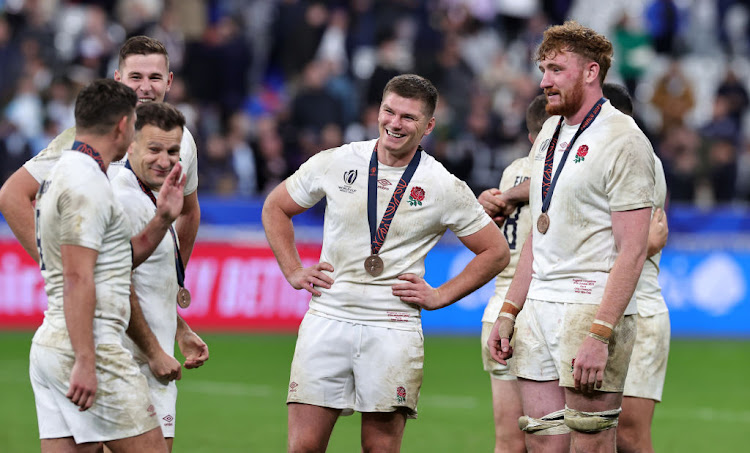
point(145, 242)
point(518, 194)
point(280, 236)
point(187, 226)
point(481, 269)
point(79, 303)
point(139, 330)
point(519, 287)
point(18, 211)
point(182, 326)
point(621, 284)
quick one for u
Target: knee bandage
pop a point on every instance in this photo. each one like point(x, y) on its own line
point(591, 422)
point(548, 425)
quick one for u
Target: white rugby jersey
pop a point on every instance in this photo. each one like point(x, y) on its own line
point(40, 165)
point(76, 206)
point(516, 229)
point(155, 280)
point(648, 292)
point(610, 168)
point(434, 201)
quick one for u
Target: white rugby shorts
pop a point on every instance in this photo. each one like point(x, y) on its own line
point(648, 364)
point(547, 339)
point(122, 406)
point(164, 399)
point(356, 367)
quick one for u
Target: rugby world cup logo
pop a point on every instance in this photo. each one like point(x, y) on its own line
point(350, 176)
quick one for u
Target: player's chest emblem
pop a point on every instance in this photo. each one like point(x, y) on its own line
point(581, 153)
point(349, 177)
point(416, 196)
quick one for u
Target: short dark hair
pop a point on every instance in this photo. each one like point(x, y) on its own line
point(536, 114)
point(412, 86)
point(619, 97)
point(142, 45)
point(160, 114)
point(101, 104)
point(583, 41)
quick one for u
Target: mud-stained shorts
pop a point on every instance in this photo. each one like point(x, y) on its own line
point(648, 364)
point(164, 399)
point(548, 337)
point(356, 367)
point(122, 406)
point(496, 370)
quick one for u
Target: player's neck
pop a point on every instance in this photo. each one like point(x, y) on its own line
point(395, 160)
point(102, 144)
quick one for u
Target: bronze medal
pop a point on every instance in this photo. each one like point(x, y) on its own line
point(542, 223)
point(374, 265)
point(183, 297)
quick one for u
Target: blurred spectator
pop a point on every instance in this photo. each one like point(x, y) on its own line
point(299, 28)
point(273, 167)
point(733, 90)
point(633, 51)
point(14, 149)
point(217, 66)
point(12, 61)
point(243, 157)
point(679, 153)
point(663, 23)
point(215, 170)
point(673, 97)
point(314, 107)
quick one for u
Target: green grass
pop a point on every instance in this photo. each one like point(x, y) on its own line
point(235, 403)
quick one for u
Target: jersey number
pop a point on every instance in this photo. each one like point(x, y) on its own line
point(510, 229)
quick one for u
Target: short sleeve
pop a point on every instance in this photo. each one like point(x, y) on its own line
point(189, 157)
point(631, 176)
point(305, 185)
point(40, 165)
point(462, 213)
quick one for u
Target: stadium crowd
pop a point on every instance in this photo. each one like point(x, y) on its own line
point(265, 84)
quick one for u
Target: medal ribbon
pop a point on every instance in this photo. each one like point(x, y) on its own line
point(86, 149)
point(549, 187)
point(377, 237)
point(177, 258)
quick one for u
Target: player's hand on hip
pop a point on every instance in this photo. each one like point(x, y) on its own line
point(193, 348)
point(171, 195)
point(165, 367)
point(416, 291)
point(83, 385)
point(308, 278)
point(499, 341)
point(589, 364)
point(492, 203)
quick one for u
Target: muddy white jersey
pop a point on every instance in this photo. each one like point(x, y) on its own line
point(610, 168)
point(40, 165)
point(433, 202)
point(516, 229)
point(76, 206)
point(155, 280)
point(648, 292)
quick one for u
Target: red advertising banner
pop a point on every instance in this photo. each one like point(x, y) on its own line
point(233, 287)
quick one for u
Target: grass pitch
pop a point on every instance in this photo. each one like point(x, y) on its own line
point(235, 403)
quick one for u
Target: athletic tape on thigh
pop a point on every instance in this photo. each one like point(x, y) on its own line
point(591, 422)
point(548, 425)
